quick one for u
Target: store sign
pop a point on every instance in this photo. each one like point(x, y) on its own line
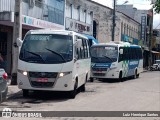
point(78, 26)
point(26, 20)
point(143, 29)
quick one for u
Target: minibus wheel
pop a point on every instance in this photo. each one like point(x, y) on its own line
point(120, 77)
point(25, 93)
point(135, 74)
point(72, 94)
point(91, 80)
point(83, 87)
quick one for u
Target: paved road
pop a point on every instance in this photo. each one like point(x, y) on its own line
point(142, 94)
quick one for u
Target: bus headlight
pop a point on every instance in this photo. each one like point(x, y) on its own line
point(113, 66)
point(62, 74)
point(25, 73)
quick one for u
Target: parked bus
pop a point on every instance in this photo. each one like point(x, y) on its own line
point(116, 60)
point(54, 61)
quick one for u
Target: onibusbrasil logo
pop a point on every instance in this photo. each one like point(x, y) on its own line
point(8, 113)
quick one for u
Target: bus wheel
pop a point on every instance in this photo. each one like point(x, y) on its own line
point(91, 80)
point(120, 77)
point(135, 75)
point(83, 87)
point(72, 94)
point(25, 93)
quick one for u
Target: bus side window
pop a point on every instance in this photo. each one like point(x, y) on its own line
point(121, 55)
point(85, 48)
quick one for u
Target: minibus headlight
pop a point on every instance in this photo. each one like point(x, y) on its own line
point(23, 72)
point(62, 74)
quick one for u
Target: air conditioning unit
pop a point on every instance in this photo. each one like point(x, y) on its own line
point(31, 3)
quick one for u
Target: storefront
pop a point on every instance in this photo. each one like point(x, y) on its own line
point(6, 36)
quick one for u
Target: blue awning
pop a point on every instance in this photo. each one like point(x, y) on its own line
point(94, 41)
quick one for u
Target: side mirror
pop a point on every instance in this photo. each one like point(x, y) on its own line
point(79, 43)
point(121, 51)
point(19, 42)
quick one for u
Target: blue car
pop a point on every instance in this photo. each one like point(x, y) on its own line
point(3, 85)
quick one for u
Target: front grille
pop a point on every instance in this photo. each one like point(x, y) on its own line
point(99, 69)
point(43, 74)
point(99, 74)
point(42, 84)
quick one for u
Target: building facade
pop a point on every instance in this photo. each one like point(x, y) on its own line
point(91, 18)
point(145, 18)
point(79, 17)
point(35, 14)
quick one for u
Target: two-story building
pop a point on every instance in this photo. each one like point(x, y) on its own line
point(145, 18)
point(92, 18)
point(35, 14)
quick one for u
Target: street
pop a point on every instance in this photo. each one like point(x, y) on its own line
point(142, 94)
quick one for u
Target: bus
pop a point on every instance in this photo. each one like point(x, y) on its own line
point(116, 60)
point(53, 60)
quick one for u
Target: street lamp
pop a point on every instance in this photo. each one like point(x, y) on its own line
point(114, 16)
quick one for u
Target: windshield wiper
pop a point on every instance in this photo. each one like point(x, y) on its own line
point(36, 55)
point(56, 54)
point(107, 57)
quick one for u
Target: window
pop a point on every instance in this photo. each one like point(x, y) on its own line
point(71, 10)
point(79, 12)
point(82, 52)
point(85, 15)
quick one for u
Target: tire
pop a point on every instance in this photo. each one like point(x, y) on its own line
point(120, 77)
point(83, 88)
point(25, 93)
point(73, 93)
point(135, 75)
point(91, 79)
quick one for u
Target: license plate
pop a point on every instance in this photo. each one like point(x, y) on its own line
point(42, 79)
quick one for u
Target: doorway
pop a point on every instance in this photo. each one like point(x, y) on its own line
point(94, 29)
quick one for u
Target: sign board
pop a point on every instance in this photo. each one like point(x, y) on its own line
point(78, 26)
point(30, 21)
point(143, 28)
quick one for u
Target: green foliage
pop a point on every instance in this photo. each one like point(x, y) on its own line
point(156, 6)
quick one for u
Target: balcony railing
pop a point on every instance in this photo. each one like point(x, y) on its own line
point(39, 10)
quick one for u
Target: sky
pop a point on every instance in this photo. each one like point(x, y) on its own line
point(139, 4)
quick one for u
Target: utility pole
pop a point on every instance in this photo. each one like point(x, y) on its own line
point(17, 33)
point(113, 19)
point(150, 39)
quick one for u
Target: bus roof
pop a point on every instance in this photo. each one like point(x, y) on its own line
point(51, 31)
point(120, 44)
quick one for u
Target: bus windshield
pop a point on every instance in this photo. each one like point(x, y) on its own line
point(104, 54)
point(47, 48)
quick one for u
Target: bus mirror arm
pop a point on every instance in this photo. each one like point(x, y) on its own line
point(19, 42)
point(121, 51)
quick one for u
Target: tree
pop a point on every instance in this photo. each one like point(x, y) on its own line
point(156, 6)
